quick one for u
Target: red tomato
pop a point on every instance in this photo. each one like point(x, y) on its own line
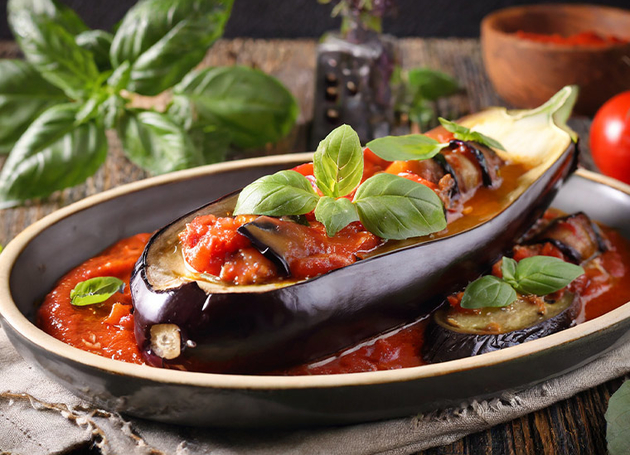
point(610, 137)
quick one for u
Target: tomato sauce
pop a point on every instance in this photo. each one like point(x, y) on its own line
point(107, 328)
point(588, 38)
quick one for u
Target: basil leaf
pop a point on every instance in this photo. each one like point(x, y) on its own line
point(464, 134)
point(53, 51)
point(253, 107)
point(542, 275)
point(282, 193)
point(335, 214)
point(57, 12)
point(95, 290)
point(24, 94)
point(338, 162)
point(431, 84)
point(409, 147)
point(618, 421)
point(156, 143)
point(164, 39)
point(52, 154)
point(212, 141)
point(98, 42)
point(508, 269)
point(393, 207)
point(119, 78)
point(488, 291)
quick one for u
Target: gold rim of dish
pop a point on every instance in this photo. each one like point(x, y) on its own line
point(19, 323)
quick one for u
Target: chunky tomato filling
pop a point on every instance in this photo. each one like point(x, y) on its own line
point(213, 245)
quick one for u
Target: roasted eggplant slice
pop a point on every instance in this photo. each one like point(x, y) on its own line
point(457, 334)
point(250, 328)
point(578, 238)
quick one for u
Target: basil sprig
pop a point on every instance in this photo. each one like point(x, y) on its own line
point(389, 206)
point(95, 290)
point(77, 82)
point(464, 134)
point(421, 147)
point(537, 275)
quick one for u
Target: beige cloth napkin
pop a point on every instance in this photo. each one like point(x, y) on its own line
point(38, 416)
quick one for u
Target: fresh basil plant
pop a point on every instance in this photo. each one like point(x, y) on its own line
point(75, 83)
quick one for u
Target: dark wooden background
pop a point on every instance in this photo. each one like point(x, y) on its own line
point(308, 18)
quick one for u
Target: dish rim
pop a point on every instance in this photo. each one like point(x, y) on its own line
point(11, 315)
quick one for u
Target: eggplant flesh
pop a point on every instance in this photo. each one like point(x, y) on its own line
point(253, 328)
point(455, 335)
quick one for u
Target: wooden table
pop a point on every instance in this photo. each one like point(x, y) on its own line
point(574, 426)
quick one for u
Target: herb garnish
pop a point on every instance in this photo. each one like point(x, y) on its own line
point(77, 82)
point(95, 290)
point(421, 147)
point(618, 421)
point(537, 275)
point(389, 206)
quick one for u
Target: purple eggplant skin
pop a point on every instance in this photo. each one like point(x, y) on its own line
point(251, 332)
point(442, 344)
point(579, 239)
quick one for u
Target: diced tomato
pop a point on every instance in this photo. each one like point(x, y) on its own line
point(439, 134)
point(418, 179)
point(369, 155)
point(305, 169)
point(208, 240)
point(120, 315)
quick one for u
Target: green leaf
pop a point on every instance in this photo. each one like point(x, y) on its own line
point(618, 421)
point(53, 51)
point(98, 42)
point(431, 84)
point(508, 269)
point(409, 147)
point(393, 207)
point(52, 154)
point(338, 162)
point(57, 12)
point(24, 94)
point(164, 39)
point(488, 291)
point(542, 275)
point(464, 134)
point(282, 193)
point(253, 107)
point(95, 290)
point(335, 214)
point(154, 142)
point(211, 141)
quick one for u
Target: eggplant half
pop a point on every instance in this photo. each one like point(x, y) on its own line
point(184, 319)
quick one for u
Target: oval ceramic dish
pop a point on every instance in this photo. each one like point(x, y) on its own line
point(36, 259)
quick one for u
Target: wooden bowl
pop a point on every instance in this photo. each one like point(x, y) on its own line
point(527, 73)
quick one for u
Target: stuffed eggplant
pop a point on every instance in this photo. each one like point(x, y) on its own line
point(455, 333)
point(186, 319)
